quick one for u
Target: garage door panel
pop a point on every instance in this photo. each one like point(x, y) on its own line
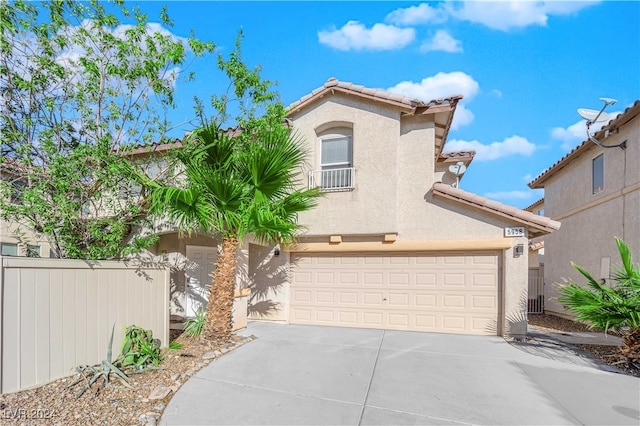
point(426, 279)
point(422, 292)
point(373, 319)
point(483, 280)
point(373, 278)
point(398, 278)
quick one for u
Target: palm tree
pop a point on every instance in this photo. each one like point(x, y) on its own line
point(233, 187)
point(610, 307)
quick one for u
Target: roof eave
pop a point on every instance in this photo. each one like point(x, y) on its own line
point(295, 108)
point(535, 229)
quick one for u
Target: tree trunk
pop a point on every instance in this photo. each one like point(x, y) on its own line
point(631, 348)
point(218, 325)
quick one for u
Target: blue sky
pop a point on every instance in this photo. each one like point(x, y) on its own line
point(522, 67)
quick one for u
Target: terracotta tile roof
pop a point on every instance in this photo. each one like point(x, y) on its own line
point(442, 108)
point(623, 118)
point(171, 143)
point(537, 224)
point(536, 245)
point(454, 156)
point(378, 94)
point(534, 204)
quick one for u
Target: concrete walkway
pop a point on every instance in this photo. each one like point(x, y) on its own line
point(307, 375)
point(558, 346)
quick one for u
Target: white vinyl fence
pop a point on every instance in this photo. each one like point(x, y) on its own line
point(57, 314)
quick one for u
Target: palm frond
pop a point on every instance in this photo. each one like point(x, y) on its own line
point(615, 306)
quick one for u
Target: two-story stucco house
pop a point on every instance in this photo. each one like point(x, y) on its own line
point(393, 244)
point(595, 193)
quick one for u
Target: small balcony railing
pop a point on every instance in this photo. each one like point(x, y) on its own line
point(333, 179)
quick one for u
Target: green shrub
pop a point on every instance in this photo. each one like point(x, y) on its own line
point(614, 306)
point(139, 350)
point(194, 326)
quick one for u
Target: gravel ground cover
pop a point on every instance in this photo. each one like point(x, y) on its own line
point(610, 355)
point(143, 404)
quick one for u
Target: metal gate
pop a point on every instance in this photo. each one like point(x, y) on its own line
point(535, 300)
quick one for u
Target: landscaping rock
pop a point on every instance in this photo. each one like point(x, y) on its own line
point(159, 392)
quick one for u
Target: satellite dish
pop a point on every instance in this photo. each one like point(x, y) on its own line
point(608, 101)
point(592, 115)
point(458, 169)
point(595, 116)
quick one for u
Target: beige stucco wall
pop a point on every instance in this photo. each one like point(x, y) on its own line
point(591, 221)
point(395, 166)
point(170, 250)
point(269, 283)
point(371, 206)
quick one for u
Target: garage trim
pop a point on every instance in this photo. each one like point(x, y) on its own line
point(403, 246)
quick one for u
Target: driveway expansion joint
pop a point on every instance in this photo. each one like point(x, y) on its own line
point(373, 370)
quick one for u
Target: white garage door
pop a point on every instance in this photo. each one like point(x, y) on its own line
point(452, 293)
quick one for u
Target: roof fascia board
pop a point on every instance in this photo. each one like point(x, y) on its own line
point(404, 107)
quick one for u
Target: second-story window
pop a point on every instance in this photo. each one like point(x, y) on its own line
point(597, 174)
point(336, 162)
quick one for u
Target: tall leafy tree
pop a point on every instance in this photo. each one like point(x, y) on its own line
point(82, 82)
point(614, 306)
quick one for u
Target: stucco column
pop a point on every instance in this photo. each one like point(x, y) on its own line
point(516, 287)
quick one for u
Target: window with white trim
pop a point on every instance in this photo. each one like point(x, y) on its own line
point(9, 249)
point(336, 162)
point(597, 174)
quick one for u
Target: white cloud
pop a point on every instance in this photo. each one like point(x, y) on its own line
point(441, 41)
point(528, 177)
point(421, 14)
point(495, 92)
point(570, 136)
point(507, 15)
point(510, 195)
point(443, 85)
point(514, 145)
point(355, 36)
point(576, 133)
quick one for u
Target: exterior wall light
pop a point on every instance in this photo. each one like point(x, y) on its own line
point(518, 250)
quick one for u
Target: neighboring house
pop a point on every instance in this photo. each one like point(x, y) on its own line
point(393, 244)
point(17, 239)
point(595, 192)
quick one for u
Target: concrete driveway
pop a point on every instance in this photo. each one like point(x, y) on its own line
point(303, 375)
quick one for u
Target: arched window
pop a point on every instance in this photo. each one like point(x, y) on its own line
point(336, 157)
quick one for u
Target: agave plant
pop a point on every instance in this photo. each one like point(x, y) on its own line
point(90, 374)
point(614, 306)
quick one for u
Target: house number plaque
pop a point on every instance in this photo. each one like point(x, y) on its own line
point(514, 231)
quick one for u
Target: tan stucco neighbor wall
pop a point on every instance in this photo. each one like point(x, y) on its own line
point(591, 221)
point(8, 235)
